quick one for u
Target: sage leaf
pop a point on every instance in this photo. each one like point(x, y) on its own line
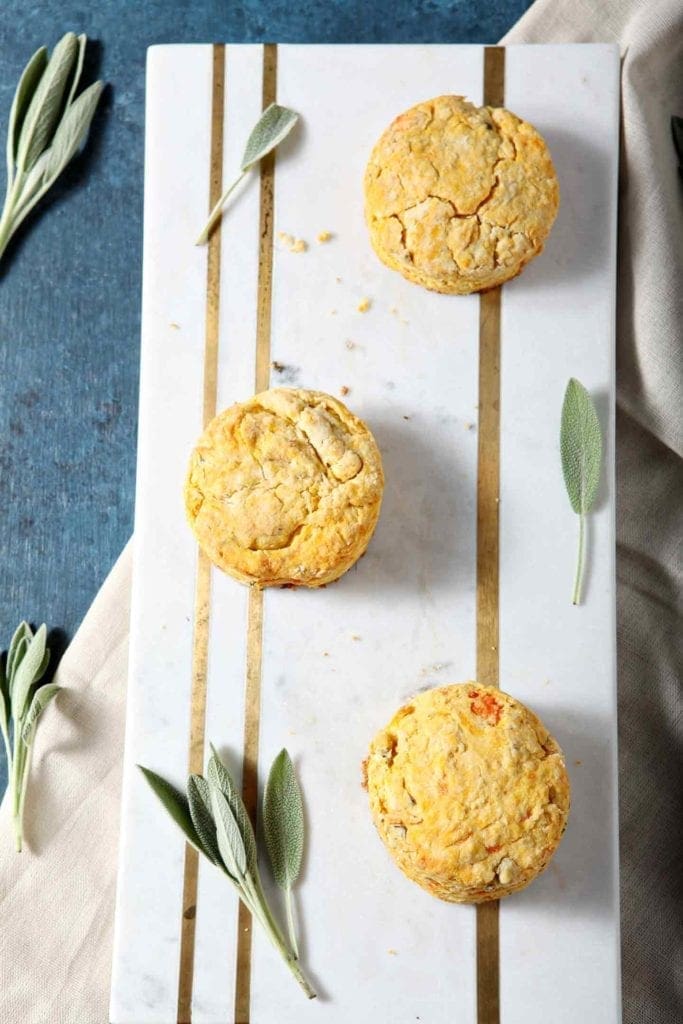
point(175, 803)
point(30, 668)
point(4, 706)
point(274, 124)
point(17, 648)
point(230, 841)
point(283, 821)
point(283, 828)
point(48, 123)
point(199, 800)
point(46, 104)
point(41, 699)
point(28, 82)
point(21, 694)
point(581, 454)
point(71, 131)
point(78, 71)
point(219, 819)
point(219, 775)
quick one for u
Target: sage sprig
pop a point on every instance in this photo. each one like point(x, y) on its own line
point(22, 701)
point(283, 828)
point(47, 125)
point(581, 451)
point(215, 822)
point(274, 124)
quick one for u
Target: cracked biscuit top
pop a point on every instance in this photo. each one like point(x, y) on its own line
point(459, 198)
point(468, 791)
point(285, 488)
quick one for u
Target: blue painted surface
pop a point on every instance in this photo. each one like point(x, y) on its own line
point(70, 287)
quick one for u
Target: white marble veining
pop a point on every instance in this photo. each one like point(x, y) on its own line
point(337, 662)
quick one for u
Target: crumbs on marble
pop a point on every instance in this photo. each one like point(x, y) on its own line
point(364, 305)
point(174, 326)
point(392, 952)
point(291, 243)
point(343, 390)
point(324, 236)
point(278, 367)
point(354, 636)
point(349, 344)
point(394, 312)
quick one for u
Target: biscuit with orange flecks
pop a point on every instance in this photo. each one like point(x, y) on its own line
point(468, 791)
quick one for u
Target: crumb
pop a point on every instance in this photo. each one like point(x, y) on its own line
point(278, 367)
point(406, 417)
point(326, 654)
point(578, 762)
point(343, 390)
point(364, 305)
point(394, 310)
point(469, 426)
point(392, 952)
point(174, 325)
point(354, 636)
point(324, 236)
point(291, 243)
point(338, 280)
point(350, 344)
point(333, 312)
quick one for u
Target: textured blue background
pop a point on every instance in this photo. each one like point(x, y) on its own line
point(70, 286)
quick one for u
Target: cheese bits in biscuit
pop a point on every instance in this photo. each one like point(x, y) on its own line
point(468, 791)
point(459, 198)
point(285, 488)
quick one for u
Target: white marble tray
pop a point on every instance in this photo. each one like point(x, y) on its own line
point(379, 948)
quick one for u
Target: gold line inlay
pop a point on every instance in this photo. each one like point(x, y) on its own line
point(202, 605)
point(488, 497)
point(255, 611)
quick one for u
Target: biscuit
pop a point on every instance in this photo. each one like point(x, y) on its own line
point(459, 198)
point(468, 791)
point(285, 488)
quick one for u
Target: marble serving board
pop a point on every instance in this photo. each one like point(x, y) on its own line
point(334, 664)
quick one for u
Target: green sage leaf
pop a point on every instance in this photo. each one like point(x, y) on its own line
point(46, 104)
point(71, 132)
point(41, 699)
point(78, 70)
point(283, 821)
point(4, 698)
point(175, 803)
point(580, 447)
point(28, 672)
point(221, 777)
point(274, 124)
point(199, 800)
point(28, 83)
point(18, 646)
point(230, 841)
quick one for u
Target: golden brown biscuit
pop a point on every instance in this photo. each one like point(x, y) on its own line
point(285, 489)
point(468, 791)
point(459, 198)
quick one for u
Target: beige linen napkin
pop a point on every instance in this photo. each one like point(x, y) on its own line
point(58, 897)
